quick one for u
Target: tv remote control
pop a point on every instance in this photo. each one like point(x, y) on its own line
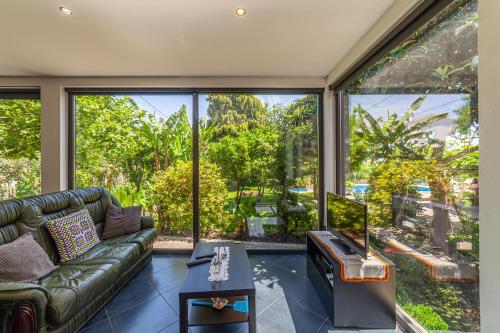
point(210, 255)
point(197, 262)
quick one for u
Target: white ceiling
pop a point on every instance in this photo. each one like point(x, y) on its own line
point(181, 37)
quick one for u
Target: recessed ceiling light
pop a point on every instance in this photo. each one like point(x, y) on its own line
point(65, 11)
point(241, 11)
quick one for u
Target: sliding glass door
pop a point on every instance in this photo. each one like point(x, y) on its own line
point(259, 174)
point(255, 176)
point(139, 146)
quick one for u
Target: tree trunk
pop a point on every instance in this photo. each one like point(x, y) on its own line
point(440, 212)
point(398, 209)
point(239, 194)
point(156, 159)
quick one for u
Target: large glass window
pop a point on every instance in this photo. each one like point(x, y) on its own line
point(19, 145)
point(412, 155)
point(139, 146)
point(259, 180)
point(258, 166)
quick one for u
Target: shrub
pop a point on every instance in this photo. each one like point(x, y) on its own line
point(171, 198)
point(426, 316)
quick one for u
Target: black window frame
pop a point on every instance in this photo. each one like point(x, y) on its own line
point(195, 92)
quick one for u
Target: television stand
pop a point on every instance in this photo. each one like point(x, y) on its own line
point(343, 246)
point(353, 295)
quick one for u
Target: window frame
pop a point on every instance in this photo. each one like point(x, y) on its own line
point(195, 92)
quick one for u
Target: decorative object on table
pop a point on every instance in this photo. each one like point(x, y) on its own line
point(121, 221)
point(219, 267)
point(217, 303)
point(24, 260)
point(220, 303)
point(74, 234)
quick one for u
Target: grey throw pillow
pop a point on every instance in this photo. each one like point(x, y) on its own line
point(24, 260)
point(120, 221)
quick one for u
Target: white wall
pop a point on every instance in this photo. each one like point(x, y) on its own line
point(489, 163)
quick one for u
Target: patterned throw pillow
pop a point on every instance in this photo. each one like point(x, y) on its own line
point(74, 234)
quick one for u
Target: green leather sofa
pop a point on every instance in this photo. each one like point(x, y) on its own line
point(66, 298)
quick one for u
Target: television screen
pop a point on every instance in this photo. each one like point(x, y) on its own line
point(347, 220)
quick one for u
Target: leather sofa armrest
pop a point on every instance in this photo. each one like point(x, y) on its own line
point(147, 222)
point(22, 307)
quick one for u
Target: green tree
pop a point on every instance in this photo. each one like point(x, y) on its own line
point(228, 114)
point(391, 180)
point(108, 141)
point(19, 147)
point(299, 130)
point(397, 136)
point(245, 158)
point(168, 140)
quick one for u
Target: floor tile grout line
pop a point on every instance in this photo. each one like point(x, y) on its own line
point(324, 323)
point(84, 328)
point(166, 326)
point(267, 308)
point(133, 306)
point(311, 310)
point(169, 305)
point(109, 320)
point(302, 305)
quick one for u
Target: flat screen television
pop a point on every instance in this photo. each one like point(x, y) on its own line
point(347, 220)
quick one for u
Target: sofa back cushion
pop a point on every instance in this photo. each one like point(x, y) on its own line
point(10, 213)
point(96, 200)
point(48, 207)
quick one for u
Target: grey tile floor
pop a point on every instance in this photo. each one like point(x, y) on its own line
point(286, 300)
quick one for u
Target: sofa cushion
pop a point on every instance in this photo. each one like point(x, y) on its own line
point(144, 238)
point(123, 256)
point(96, 200)
point(40, 209)
point(121, 221)
point(23, 260)
point(72, 287)
point(74, 234)
point(10, 213)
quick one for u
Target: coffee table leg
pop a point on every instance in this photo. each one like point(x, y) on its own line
point(252, 323)
point(183, 315)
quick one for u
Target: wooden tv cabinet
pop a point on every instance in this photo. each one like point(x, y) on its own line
point(358, 304)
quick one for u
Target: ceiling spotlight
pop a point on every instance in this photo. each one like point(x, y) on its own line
point(65, 11)
point(241, 11)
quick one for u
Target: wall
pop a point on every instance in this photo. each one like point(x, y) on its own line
point(489, 164)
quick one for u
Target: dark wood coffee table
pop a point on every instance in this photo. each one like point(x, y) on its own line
point(239, 286)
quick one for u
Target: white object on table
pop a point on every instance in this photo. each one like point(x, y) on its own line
point(219, 266)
